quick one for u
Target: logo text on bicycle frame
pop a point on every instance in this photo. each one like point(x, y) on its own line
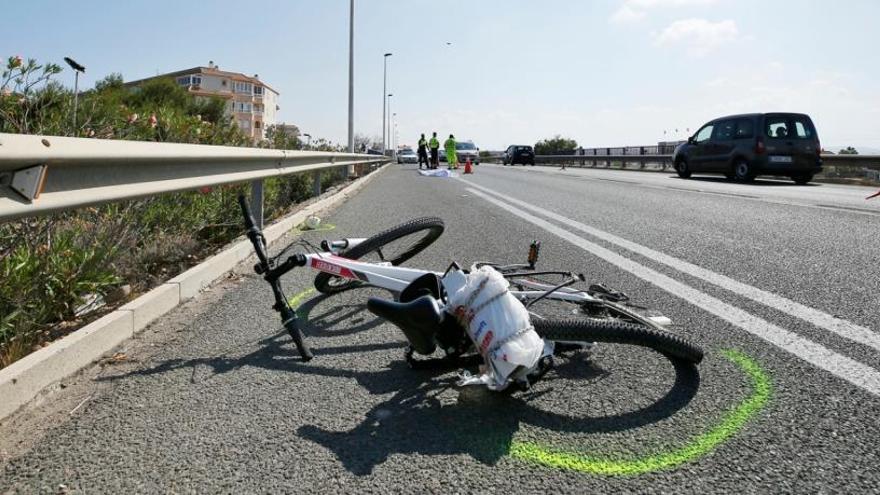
point(331, 268)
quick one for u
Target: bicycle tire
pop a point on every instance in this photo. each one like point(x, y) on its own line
point(618, 332)
point(324, 282)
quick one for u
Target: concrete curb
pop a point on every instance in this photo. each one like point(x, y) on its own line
point(28, 377)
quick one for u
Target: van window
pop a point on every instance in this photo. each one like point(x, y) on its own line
point(704, 134)
point(745, 129)
point(725, 130)
point(789, 126)
point(801, 129)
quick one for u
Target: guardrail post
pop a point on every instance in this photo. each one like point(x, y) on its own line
point(257, 201)
point(316, 187)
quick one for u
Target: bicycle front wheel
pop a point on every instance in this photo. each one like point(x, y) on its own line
point(613, 331)
point(395, 245)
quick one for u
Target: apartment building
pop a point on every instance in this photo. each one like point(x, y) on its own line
point(251, 103)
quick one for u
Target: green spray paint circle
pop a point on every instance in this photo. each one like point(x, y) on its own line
point(733, 421)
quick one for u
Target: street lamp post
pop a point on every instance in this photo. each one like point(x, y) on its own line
point(394, 137)
point(389, 123)
point(384, 92)
point(309, 142)
point(349, 170)
point(77, 68)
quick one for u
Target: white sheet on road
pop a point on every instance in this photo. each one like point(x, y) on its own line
point(440, 172)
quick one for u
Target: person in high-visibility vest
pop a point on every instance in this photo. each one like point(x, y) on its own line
point(434, 145)
point(451, 157)
point(423, 152)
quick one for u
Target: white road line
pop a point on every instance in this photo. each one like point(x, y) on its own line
point(857, 373)
point(840, 327)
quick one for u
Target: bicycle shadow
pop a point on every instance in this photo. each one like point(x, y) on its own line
point(481, 423)
point(338, 320)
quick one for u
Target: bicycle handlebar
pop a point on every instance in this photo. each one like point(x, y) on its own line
point(272, 275)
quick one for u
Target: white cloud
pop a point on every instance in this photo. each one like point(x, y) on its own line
point(636, 10)
point(626, 14)
point(699, 36)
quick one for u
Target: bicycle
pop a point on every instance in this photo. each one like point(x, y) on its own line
point(422, 311)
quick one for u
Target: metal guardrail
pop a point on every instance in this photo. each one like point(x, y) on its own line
point(870, 162)
point(42, 174)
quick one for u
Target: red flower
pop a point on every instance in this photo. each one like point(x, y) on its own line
point(153, 120)
point(205, 190)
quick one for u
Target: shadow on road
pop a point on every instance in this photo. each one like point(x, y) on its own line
point(756, 182)
point(481, 423)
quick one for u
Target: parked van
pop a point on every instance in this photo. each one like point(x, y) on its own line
point(744, 146)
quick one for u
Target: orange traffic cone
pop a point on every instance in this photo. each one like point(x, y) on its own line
point(467, 167)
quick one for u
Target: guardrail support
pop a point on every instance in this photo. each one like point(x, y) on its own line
point(257, 201)
point(316, 185)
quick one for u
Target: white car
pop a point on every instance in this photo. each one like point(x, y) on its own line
point(407, 156)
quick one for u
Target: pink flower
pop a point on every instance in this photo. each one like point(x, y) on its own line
point(153, 120)
point(16, 61)
point(205, 189)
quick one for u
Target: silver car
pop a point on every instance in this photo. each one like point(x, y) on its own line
point(407, 156)
point(465, 150)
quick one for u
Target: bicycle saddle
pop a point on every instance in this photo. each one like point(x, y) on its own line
point(419, 319)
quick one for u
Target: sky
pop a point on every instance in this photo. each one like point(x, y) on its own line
point(498, 72)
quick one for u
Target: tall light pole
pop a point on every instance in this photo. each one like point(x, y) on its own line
point(309, 142)
point(77, 68)
point(350, 169)
point(394, 143)
point(384, 92)
point(389, 122)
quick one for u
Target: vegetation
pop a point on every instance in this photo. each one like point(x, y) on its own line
point(53, 266)
point(849, 150)
point(556, 145)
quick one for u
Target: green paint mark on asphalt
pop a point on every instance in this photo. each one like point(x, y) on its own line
point(298, 298)
point(701, 445)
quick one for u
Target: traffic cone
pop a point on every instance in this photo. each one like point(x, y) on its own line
point(467, 167)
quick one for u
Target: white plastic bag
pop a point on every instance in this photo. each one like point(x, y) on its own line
point(497, 323)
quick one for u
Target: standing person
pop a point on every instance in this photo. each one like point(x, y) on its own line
point(451, 158)
point(434, 145)
point(423, 153)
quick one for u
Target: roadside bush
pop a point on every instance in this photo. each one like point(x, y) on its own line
point(52, 267)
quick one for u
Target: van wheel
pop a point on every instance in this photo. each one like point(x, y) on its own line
point(802, 178)
point(743, 171)
point(682, 169)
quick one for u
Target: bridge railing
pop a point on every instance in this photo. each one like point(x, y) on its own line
point(42, 174)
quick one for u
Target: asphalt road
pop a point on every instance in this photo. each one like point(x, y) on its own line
point(779, 283)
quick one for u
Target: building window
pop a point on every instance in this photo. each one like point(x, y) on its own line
point(243, 87)
point(189, 80)
point(244, 124)
point(257, 124)
point(243, 107)
point(258, 90)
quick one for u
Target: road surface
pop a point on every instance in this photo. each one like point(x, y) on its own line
point(779, 283)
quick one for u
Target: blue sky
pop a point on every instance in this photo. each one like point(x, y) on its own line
point(605, 72)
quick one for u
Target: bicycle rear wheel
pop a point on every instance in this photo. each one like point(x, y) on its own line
point(613, 331)
point(395, 245)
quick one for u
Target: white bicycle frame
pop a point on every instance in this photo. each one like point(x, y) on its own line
point(396, 278)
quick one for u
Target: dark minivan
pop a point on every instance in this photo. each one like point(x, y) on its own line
point(518, 153)
point(744, 146)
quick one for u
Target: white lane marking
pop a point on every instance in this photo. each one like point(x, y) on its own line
point(838, 326)
point(857, 373)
